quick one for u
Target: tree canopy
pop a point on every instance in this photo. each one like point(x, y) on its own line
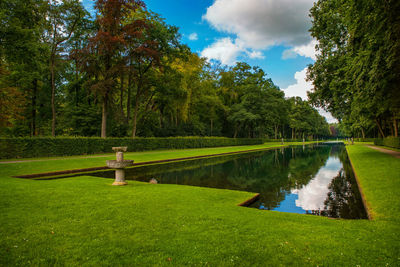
point(357, 71)
point(127, 73)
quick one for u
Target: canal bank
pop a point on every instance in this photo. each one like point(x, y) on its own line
point(73, 222)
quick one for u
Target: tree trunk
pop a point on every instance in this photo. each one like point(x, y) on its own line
point(121, 104)
point(135, 112)
point(76, 84)
point(380, 128)
point(33, 122)
point(293, 132)
point(53, 96)
point(128, 102)
point(391, 129)
point(396, 127)
point(276, 132)
point(363, 133)
point(104, 118)
point(236, 131)
point(211, 126)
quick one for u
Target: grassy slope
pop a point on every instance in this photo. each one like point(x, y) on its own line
point(85, 221)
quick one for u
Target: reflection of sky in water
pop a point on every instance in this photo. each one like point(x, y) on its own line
point(313, 195)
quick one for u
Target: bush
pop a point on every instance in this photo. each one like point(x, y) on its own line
point(364, 139)
point(287, 140)
point(67, 146)
point(388, 141)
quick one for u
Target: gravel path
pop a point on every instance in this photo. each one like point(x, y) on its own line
point(393, 153)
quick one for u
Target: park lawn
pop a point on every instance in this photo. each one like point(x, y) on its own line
point(51, 164)
point(86, 221)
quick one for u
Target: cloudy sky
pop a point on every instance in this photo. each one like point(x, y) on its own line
point(271, 34)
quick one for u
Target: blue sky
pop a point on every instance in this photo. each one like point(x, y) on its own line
point(271, 34)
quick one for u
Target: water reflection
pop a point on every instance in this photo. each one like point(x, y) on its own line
point(304, 179)
point(312, 196)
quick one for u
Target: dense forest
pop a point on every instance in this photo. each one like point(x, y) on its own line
point(357, 72)
point(126, 73)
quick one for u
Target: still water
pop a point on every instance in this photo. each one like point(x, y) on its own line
point(312, 179)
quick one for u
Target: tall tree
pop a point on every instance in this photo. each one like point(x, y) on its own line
point(62, 20)
point(155, 48)
point(102, 57)
point(357, 71)
point(21, 47)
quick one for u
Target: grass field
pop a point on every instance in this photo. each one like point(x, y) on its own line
point(86, 221)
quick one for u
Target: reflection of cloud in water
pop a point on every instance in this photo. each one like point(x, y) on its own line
point(313, 195)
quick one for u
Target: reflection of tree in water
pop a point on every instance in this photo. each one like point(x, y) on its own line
point(273, 174)
point(344, 199)
point(294, 169)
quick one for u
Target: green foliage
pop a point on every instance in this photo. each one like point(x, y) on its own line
point(126, 73)
point(388, 141)
point(356, 74)
point(364, 139)
point(44, 147)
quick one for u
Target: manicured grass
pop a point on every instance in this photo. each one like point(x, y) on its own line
point(382, 183)
point(29, 166)
point(85, 221)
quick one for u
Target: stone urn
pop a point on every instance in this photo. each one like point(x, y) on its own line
point(119, 165)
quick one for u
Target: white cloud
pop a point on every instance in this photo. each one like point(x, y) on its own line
point(223, 50)
point(301, 86)
point(263, 23)
point(255, 54)
point(300, 89)
point(289, 53)
point(328, 116)
point(193, 36)
point(313, 195)
point(307, 50)
point(227, 51)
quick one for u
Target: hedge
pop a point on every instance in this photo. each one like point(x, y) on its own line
point(388, 141)
point(290, 140)
point(364, 139)
point(67, 146)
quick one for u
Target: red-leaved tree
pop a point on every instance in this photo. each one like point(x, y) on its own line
point(107, 51)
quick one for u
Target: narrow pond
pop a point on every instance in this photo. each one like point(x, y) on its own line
point(314, 179)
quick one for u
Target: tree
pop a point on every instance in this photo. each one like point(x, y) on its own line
point(22, 53)
point(62, 20)
point(150, 52)
point(12, 101)
point(357, 71)
point(103, 56)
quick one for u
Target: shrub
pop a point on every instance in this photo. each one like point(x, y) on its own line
point(364, 139)
point(66, 146)
point(388, 141)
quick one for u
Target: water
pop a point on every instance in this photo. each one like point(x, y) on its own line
point(313, 179)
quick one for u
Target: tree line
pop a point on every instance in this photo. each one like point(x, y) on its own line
point(357, 72)
point(126, 72)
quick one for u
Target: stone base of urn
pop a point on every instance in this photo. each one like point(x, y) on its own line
point(119, 165)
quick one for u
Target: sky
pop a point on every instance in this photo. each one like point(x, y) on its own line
point(271, 34)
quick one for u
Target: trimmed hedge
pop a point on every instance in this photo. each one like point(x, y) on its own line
point(388, 141)
point(364, 139)
point(61, 146)
point(280, 140)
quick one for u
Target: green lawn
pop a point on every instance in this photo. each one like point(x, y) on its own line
point(86, 221)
